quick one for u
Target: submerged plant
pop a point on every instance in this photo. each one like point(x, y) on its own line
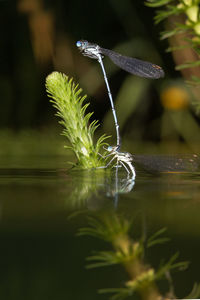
point(66, 98)
point(130, 253)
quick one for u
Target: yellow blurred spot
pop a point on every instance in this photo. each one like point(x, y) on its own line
point(187, 2)
point(174, 98)
point(193, 13)
point(197, 28)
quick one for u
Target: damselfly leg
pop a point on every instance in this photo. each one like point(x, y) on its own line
point(122, 158)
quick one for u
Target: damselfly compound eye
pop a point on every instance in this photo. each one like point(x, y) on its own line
point(78, 44)
point(109, 149)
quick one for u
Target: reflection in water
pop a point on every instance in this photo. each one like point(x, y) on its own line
point(97, 183)
point(129, 252)
point(129, 249)
point(121, 186)
point(40, 254)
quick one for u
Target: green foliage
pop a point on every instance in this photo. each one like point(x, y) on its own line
point(146, 278)
point(66, 98)
point(170, 265)
point(194, 294)
point(156, 239)
point(119, 293)
point(107, 258)
point(140, 283)
point(107, 229)
point(189, 25)
point(130, 254)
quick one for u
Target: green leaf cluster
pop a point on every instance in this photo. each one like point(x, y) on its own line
point(190, 25)
point(130, 253)
point(107, 229)
point(71, 109)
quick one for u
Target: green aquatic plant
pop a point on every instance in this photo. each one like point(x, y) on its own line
point(182, 23)
point(130, 253)
point(71, 109)
point(188, 25)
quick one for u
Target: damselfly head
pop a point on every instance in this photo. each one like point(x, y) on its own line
point(110, 148)
point(113, 148)
point(88, 49)
point(82, 44)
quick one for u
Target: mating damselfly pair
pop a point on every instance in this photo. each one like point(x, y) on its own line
point(132, 65)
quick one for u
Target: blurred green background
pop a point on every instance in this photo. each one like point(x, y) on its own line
point(38, 37)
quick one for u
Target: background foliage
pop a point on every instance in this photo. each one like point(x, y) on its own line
point(39, 37)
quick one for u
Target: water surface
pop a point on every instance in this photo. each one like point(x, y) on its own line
point(43, 207)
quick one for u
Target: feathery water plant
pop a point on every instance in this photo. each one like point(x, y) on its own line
point(188, 25)
point(183, 31)
point(66, 98)
point(130, 254)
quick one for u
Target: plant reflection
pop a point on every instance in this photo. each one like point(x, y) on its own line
point(128, 248)
point(97, 183)
point(130, 252)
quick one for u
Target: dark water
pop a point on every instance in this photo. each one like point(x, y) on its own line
point(42, 209)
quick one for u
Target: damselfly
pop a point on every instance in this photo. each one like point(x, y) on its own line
point(132, 65)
